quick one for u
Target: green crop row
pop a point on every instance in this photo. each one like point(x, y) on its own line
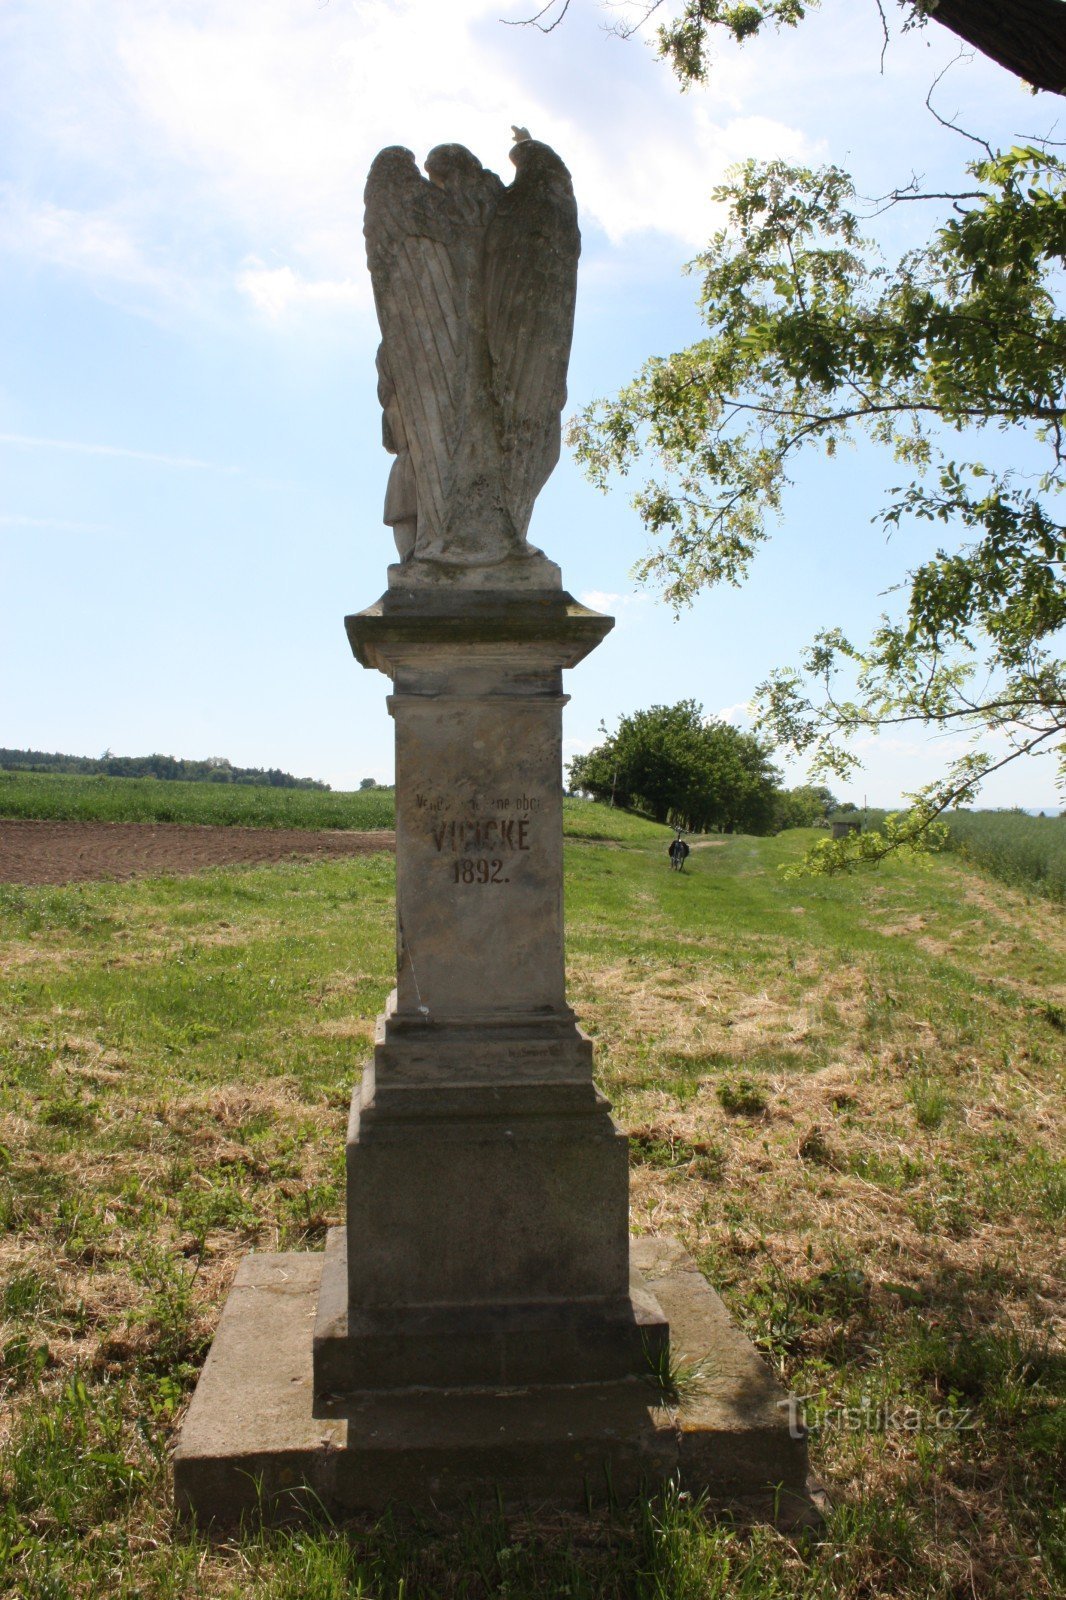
point(1023, 850)
point(60, 798)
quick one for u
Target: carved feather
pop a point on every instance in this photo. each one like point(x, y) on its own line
point(531, 252)
point(409, 234)
point(474, 286)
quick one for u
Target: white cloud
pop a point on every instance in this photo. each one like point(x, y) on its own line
point(27, 441)
point(162, 144)
point(739, 715)
point(664, 180)
point(209, 134)
point(96, 243)
point(275, 290)
point(608, 600)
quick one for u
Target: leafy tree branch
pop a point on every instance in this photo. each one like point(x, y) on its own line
point(1028, 37)
point(811, 337)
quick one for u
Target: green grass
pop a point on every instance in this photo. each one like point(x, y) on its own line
point(1027, 851)
point(61, 798)
point(588, 819)
point(844, 1095)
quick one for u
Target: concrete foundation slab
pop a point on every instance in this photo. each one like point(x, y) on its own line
point(251, 1447)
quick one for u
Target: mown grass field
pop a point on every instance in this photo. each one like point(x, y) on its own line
point(844, 1095)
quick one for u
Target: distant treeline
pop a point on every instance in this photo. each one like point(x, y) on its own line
point(216, 769)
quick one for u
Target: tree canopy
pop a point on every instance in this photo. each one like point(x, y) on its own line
point(813, 334)
point(681, 768)
point(1028, 37)
point(811, 805)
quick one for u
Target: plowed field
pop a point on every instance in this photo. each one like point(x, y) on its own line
point(66, 852)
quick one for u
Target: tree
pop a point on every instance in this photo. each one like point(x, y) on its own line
point(683, 769)
point(1028, 37)
point(808, 806)
point(812, 335)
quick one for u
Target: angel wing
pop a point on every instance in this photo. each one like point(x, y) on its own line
point(411, 234)
point(531, 252)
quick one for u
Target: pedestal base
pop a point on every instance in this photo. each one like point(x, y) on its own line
point(251, 1446)
point(552, 1344)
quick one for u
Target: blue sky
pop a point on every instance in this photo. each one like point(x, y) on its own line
point(191, 475)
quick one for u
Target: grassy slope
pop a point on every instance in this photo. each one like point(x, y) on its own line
point(178, 1056)
point(586, 819)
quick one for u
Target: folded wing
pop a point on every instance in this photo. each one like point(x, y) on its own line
point(530, 285)
point(409, 234)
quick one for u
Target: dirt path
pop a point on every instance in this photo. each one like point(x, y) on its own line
point(67, 852)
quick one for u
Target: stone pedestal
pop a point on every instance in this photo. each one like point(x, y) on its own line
point(487, 1241)
point(481, 1328)
point(252, 1445)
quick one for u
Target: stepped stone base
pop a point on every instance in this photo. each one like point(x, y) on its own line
point(252, 1447)
point(497, 1346)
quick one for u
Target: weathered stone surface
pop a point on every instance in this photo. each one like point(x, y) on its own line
point(493, 1341)
point(519, 626)
point(733, 1423)
point(479, 850)
point(251, 1443)
point(487, 1184)
point(477, 1211)
point(475, 286)
point(476, 1332)
point(478, 709)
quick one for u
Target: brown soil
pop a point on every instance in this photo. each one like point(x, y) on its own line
point(66, 852)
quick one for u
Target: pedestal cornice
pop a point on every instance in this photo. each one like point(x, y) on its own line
point(547, 625)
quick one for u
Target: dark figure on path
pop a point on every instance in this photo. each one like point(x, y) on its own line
point(678, 852)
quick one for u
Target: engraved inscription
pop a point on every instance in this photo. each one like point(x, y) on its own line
point(481, 833)
point(479, 871)
point(478, 845)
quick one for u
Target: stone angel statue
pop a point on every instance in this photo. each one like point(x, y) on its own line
point(474, 284)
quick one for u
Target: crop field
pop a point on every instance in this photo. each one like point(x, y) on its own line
point(1027, 851)
point(61, 798)
point(844, 1096)
point(57, 797)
